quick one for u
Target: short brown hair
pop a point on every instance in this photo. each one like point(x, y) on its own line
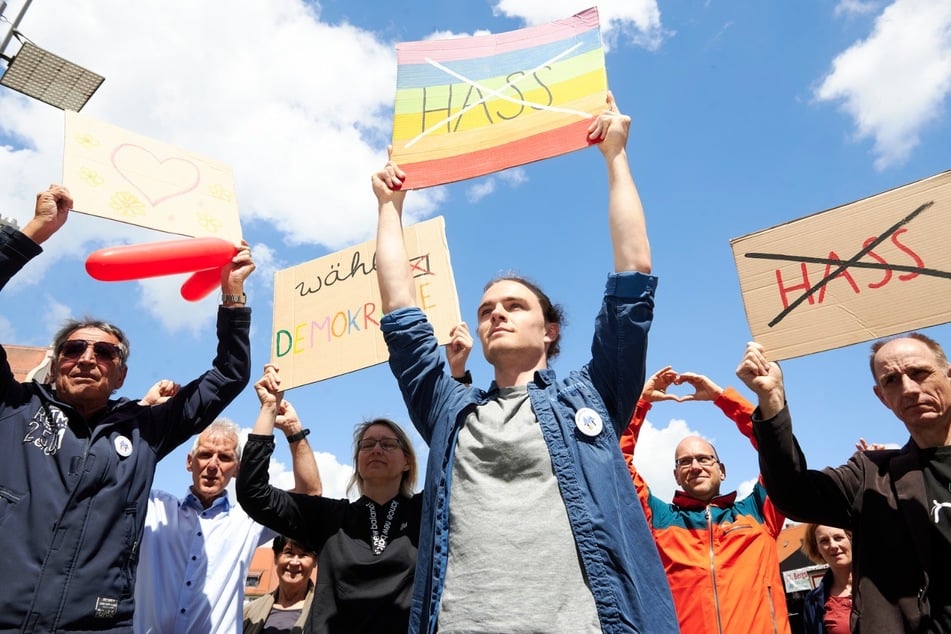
point(933, 345)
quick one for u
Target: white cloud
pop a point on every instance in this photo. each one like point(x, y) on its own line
point(745, 488)
point(856, 7)
point(333, 476)
point(480, 189)
point(448, 35)
point(894, 83)
point(634, 21)
point(241, 82)
point(654, 455)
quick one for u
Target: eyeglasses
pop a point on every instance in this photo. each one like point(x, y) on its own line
point(386, 444)
point(704, 460)
point(104, 351)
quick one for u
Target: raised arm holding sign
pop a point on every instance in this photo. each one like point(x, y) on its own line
point(530, 441)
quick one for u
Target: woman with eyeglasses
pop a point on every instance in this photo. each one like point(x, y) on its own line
point(367, 548)
point(828, 607)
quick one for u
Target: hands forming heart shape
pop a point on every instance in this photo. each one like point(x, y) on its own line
point(655, 388)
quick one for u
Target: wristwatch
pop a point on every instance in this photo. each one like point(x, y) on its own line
point(234, 299)
point(298, 436)
point(465, 378)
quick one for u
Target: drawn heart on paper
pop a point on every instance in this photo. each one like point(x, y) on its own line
point(156, 179)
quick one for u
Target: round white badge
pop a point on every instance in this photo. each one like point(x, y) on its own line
point(588, 421)
point(123, 446)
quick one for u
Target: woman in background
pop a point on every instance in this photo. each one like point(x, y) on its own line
point(286, 610)
point(828, 607)
point(367, 549)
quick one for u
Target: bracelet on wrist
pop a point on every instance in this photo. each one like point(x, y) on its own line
point(465, 378)
point(298, 436)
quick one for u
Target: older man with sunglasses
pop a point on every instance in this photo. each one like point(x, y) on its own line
point(77, 465)
point(719, 552)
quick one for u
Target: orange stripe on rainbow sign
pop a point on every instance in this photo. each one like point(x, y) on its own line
point(471, 106)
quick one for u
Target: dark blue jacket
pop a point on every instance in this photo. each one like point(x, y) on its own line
point(615, 546)
point(73, 493)
point(814, 606)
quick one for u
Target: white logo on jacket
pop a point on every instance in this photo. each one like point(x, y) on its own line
point(44, 433)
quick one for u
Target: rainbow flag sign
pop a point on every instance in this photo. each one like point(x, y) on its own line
point(476, 105)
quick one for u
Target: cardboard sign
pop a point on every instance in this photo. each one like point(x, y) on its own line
point(327, 311)
point(120, 175)
point(471, 106)
point(866, 270)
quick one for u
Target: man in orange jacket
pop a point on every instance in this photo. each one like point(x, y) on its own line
point(719, 552)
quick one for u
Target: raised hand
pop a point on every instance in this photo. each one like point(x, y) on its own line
point(704, 388)
point(655, 387)
point(458, 348)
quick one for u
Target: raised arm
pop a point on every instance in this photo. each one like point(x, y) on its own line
point(625, 212)
point(764, 378)
point(52, 209)
point(730, 402)
point(234, 275)
point(457, 352)
point(306, 473)
point(803, 494)
point(392, 262)
point(278, 412)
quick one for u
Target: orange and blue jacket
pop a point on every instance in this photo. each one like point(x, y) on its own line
point(720, 557)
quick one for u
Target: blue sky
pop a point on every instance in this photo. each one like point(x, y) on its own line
point(745, 116)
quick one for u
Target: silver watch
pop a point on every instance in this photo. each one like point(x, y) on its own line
point(234, 299)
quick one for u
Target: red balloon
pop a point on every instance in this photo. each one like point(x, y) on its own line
point(201, 283)
point(152, 259)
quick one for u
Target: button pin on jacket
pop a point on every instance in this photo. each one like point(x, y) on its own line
point(123, 446)
point(588, 422)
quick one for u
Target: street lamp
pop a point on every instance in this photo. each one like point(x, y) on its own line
point(37, 73)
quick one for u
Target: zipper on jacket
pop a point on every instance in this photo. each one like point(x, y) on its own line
point(772, 607)
point(713, 570)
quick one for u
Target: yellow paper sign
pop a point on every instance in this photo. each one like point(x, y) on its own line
point(116, 174)
point(327, 311)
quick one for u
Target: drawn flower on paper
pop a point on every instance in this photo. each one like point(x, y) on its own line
point(209, 223)
point(86, 140)
point(126, 204)
point(91, 177)
point(221, 193)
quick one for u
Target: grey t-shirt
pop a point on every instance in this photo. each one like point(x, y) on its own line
point(513, 565)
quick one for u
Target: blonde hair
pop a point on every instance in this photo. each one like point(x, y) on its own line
point(810, 546)
point(408, 482)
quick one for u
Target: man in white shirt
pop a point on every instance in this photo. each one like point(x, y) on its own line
point(196, 551)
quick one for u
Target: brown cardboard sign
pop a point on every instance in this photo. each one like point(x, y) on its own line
point(869, 269)
point(327, 311)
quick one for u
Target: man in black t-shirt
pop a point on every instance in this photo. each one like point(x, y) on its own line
point(896, 502)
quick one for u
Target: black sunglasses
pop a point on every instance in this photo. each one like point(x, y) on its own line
point(104, 351)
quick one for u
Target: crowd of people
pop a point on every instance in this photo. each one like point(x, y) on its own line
point(532, 517)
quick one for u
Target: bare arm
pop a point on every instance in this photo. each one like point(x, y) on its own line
point(392, 263)
point(306, 473)
point(277, 412)
point(625, 212)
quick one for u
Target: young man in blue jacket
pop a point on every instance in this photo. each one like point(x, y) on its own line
point(530, 520)
point(77, 465)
